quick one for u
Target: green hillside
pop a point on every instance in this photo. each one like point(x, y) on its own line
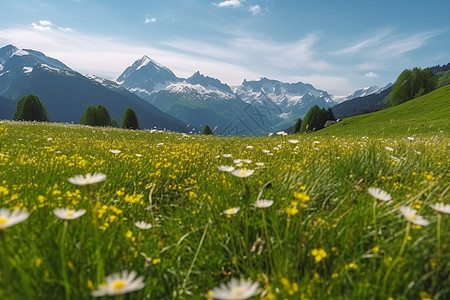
point(428, 114)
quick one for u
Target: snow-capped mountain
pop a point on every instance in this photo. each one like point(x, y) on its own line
point(201, 100)
point(364, 92)
point(146, 76)
point(288, 101)
point(18, 63)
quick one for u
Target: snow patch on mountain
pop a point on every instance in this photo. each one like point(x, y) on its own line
point(27, 70)
point(200, 90)
point(20, 53)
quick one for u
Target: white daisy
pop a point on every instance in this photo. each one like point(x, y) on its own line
point(87, 179)
point(227, 155)
point(441, 207)
point(262, 203)
point(226, 168)
point(293, 141)
point(120, 283)
point(379, 194)
point(143, 225)
point(241, 173)
point(410, 214)
point(388, 148)
point(9, 218)
point(231, 210)
point(259, 164)
point(236, 289)
point(68, 214)
point(115, 151)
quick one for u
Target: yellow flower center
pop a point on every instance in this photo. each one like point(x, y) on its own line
point(3, 220)
point(69, 213)
point(238, 292)
point(119, 284)
point(243, 172)
point(230, 210)
point(412, 217)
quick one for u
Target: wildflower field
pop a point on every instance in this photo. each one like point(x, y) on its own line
point(155, 215)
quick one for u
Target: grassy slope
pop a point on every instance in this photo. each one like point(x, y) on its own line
point(425, 115)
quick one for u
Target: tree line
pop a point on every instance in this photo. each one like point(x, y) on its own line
point(30, 108)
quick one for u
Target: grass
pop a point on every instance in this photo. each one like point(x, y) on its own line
point(424, 115)
point(317, 241)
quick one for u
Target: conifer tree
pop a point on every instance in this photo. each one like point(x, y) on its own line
point(207, 130)
point(30, 108)
point(297, 126)
point(96, 116)
point(129, 120)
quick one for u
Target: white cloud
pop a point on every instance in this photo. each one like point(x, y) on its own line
point(255, 9)
point(371, 75)
point(386, 45)
point(230, 3)
point(364, 44)
point(150, 20)
point(66, 29)
point(45, 23)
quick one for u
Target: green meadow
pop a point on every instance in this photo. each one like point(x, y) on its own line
point(324, 236)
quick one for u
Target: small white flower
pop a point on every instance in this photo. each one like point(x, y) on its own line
point(410, 138)
point(68, 214)
point(239, 164)
point(280, 133)
point(237, 161)
point(231, 210)
point(138, 155)
point(266, 151)
point(249, 147)
point(379, 194)
point(87, 179)
point(410, 214)
point(293, 141)
point(160, 144)
point(241, 173)
point(441, 207)
point(259, 164)
point(263, 203)
point(115, 151)
point(9, 218)
point(226, 168)
point(388, 148)
point(143, 225)
point(226, 155)
point(120, 283)
point(236, 289)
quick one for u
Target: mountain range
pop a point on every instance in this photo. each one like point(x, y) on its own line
point(158, 96)
point(67, 93)
point(252, 108)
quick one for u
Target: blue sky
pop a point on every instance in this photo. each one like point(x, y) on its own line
point(338, 46)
